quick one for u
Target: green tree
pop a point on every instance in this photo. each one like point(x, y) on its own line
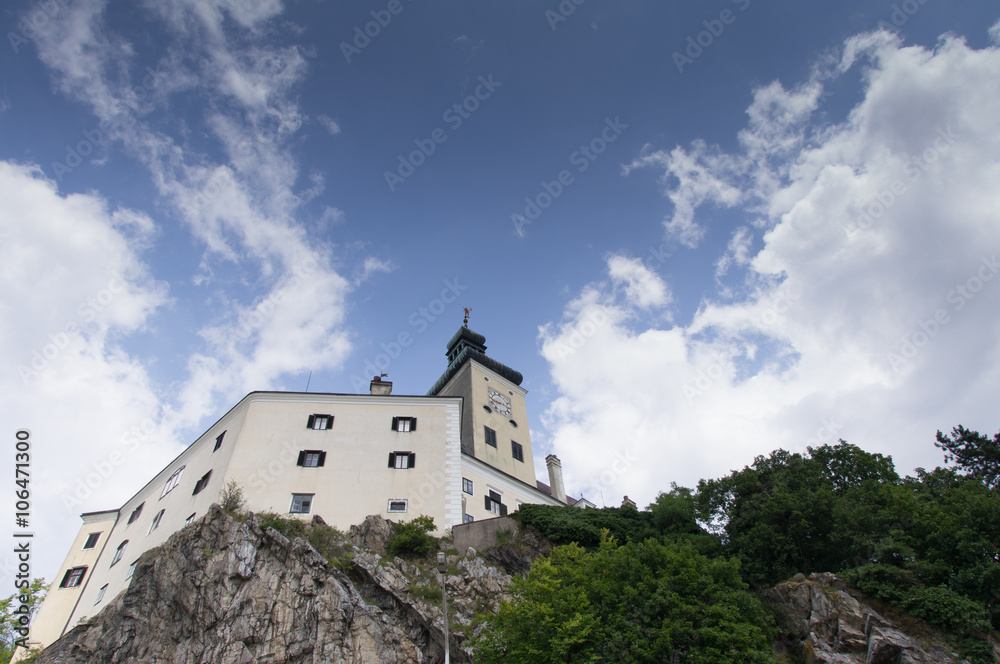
point(12, 618)
point(636, 603)
point(412, 538)
point(974, 454)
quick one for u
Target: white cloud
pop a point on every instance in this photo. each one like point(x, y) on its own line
point(871, 312)
point(994, 33)
point(329, 124)
point(644, 288)
point(74, 286)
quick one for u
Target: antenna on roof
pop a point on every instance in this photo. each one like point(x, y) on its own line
point(308, 380)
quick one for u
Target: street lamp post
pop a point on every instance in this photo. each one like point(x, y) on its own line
point(442, 563)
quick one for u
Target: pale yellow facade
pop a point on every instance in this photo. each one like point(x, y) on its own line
point(340, 456)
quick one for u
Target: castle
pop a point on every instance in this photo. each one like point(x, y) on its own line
point(461, 452)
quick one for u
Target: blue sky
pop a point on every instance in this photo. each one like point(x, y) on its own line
point(701, 231)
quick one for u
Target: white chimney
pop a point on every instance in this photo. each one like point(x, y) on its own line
point(555, 477)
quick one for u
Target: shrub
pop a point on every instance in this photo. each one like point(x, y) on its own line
point(412, 538)
point(231, 498)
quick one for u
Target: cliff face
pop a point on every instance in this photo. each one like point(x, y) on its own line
point(229, 592)
point(822, 623)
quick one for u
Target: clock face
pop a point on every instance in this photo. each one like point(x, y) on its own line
point(500, 403)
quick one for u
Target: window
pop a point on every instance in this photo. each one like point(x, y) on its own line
point(131, 570)
point(494, 504)
point(397, 506)
point(513, 424)
point(73, 577)
point(100, 594)
point(118, 553)
point(135, 514)
point(468, 518)
point(517, 451)
point(156, 521)
point(404, 424)
point(301, 503)
point(487, 409)
point(467, 486)
point(189, 519)
point(491, 437)
point(91, 540)
point(311, 458)
point(319, 422)
point(402, 460)
point(202, 483)
point(218, 442)
point(172, 483)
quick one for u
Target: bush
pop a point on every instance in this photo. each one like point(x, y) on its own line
point(412, 538)
point(231, 498)
point(948, 610)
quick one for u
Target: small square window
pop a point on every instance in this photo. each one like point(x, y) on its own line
point(404, 424)
point(218, 442)
point(118, 553)
point(320, 422)
point(131, 570)
point(100, 593)
point(311, 458)
point(402, 460)
point(491, 437)
point(172, 483)
point(467, 486)
point(91, 540)
point(468, 518)
point(188, 520)
point(156, 521)
point(301, 503)
point(517, 451)
point(73, 577)
point(397, 506)
point(135, 514)
point(202, 483)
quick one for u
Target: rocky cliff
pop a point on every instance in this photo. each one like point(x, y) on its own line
point(232, 592)
point(236, 591)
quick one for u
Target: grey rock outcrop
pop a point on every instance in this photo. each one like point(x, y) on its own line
point(830, 626)
point(229, 592)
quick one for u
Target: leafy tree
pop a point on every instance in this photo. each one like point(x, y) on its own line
point(974, 454)
point(565, 525)
point(636, 603)
point(11, 617)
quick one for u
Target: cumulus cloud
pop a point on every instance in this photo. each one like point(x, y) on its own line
point(644, 288)
point(868, 309)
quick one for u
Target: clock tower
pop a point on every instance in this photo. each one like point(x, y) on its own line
point(494, 417)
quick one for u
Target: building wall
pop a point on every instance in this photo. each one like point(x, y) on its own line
point(513, 491)
point(473, 382)
point(59, 602)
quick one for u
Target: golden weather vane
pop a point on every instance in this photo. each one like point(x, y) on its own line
point(465, 321)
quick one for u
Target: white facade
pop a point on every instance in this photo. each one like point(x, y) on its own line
point(341, 456)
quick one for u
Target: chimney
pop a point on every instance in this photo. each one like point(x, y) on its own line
point(555, 477)
point(381, 388)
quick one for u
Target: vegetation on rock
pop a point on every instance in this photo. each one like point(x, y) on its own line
point(412, 538)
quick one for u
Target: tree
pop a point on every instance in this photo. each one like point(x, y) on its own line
point(12, 618)
point(975, 455)
point(635, 603)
